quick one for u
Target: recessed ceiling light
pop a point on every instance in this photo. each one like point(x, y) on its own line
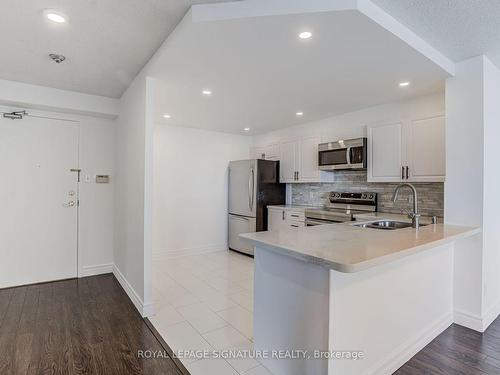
point(166, 115)
point(55, 16)
point(207, 92)
point(305, 35)
point(404, 84)
point(246, 129)
point(299, 114)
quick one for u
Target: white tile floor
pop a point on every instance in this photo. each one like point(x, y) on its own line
point(205, 302)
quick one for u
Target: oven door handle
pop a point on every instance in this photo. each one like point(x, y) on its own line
point(312, 222)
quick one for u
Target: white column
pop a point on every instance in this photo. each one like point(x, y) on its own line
point(472, 183)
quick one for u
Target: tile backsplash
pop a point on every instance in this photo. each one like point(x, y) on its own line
point(430, 194)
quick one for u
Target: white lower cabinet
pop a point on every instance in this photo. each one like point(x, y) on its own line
point(408, 150)
point(280, 218)
point(275, 218)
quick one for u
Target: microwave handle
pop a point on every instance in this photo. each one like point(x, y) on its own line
point(348, 155)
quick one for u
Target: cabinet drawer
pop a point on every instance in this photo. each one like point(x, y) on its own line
point(295, 215)
point(295, 224)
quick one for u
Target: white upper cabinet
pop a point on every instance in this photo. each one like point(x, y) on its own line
point(269, 152)
point(412, 150)
point(308, 170)
point(385, 152)
point(299, 160)
point(288, 161)
point(426, 152)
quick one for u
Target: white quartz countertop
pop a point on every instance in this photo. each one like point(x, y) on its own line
point(348, 248)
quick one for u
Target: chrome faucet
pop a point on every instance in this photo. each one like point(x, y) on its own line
point(414, 216)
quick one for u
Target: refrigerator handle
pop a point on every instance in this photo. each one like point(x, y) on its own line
point(251, 187)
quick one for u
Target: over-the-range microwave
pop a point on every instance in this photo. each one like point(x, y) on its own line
point(344, 154)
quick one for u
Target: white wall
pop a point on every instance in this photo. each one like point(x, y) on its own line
point(96, 216)
point(463, 198)
point(190, 188)
point(132, 193)
point(491, 227)
point(471, 188)
point(353, 124)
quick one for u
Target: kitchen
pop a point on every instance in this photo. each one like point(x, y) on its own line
point(386, 154)
point(407, 139)
point(296, 269)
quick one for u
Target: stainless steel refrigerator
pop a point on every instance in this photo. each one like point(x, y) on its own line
point(253, 185)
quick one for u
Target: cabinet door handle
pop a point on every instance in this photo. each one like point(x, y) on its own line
point(407, 172)
point(297, 175)
point(283, 214)
point(295, 226)
point(402, 173)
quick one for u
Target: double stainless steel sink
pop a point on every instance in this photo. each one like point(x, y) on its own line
point(385, 224)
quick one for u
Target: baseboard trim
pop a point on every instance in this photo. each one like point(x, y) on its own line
point(96, 270)
point(399, 357)
point(491, 315)
point(468, 320)
point(170, 254)
point(144, 309)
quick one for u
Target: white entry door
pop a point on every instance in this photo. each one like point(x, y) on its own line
point(38, 200)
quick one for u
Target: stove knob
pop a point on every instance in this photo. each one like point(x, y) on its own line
point(370, 196)
point(363, 196)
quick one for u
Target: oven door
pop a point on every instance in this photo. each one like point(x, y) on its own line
point(314, 222)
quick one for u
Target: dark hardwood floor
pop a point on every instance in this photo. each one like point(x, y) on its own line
point(89, 326)
point(458, 350)
point(78, 326)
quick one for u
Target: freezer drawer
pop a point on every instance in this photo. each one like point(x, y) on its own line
point(238, 225)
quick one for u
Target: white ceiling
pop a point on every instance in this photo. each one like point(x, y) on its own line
point(458, 28)
point(106, 42)
point(261, 74)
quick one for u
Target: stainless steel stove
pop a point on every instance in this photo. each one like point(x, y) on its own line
point(342, 207)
